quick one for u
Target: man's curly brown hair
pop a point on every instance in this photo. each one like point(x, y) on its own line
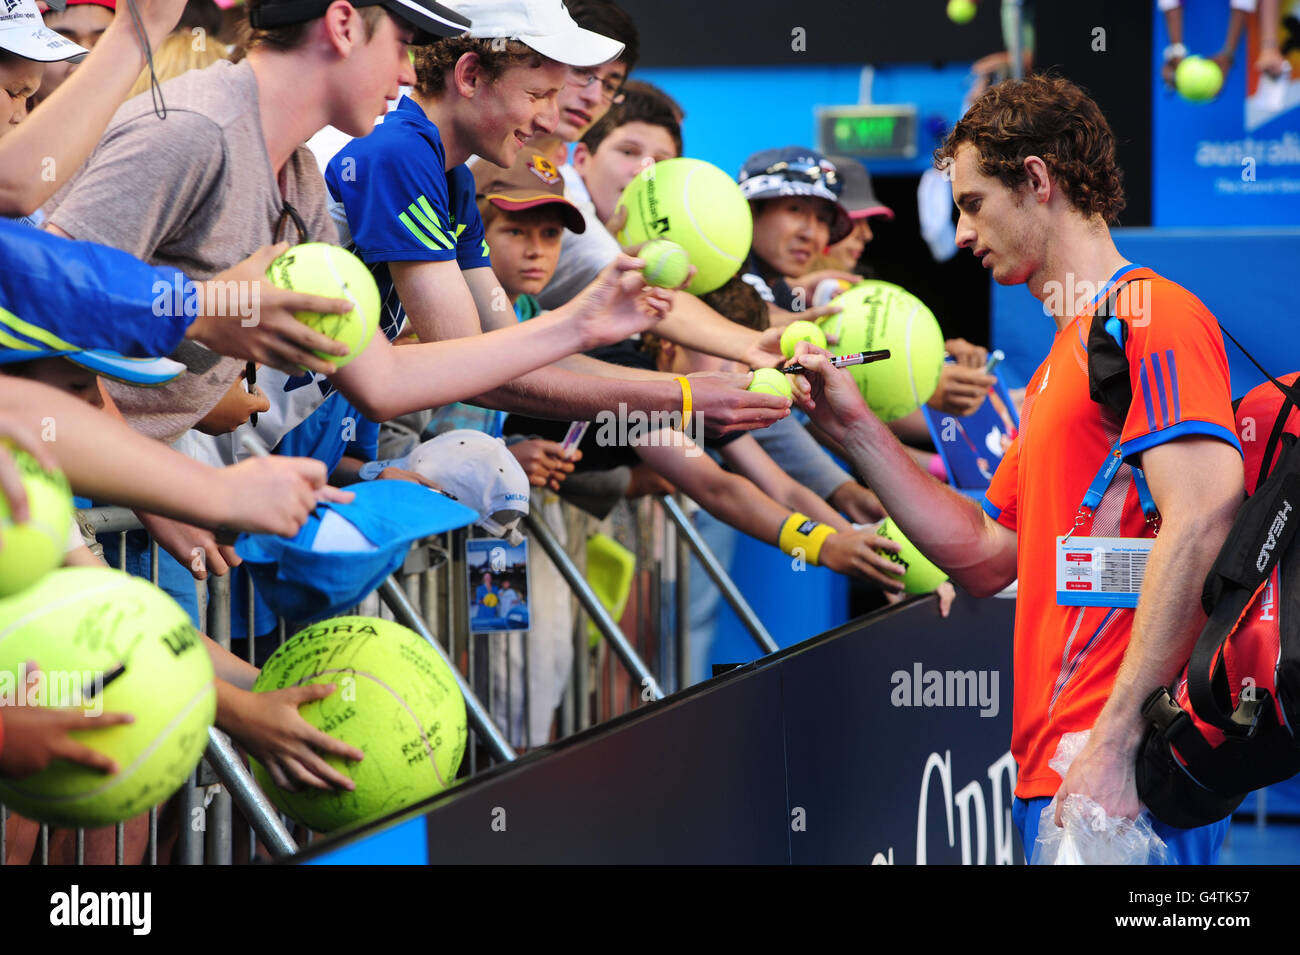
point(1048, 117)
point(433, 63)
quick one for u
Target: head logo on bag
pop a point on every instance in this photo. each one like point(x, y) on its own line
point(1279, 524)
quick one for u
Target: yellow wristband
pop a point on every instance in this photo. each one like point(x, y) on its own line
point(686, 402)
point(802, 532)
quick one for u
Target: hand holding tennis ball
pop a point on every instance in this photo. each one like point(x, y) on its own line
point(319, 268)
point(801, 331)
point(30, 550)
point(666, 263)
point(769, 381)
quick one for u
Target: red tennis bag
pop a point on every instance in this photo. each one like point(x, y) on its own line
point(1227, 725)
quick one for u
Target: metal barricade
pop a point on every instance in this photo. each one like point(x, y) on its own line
point(430, 595)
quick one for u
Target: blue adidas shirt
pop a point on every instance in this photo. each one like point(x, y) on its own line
point(402, 205)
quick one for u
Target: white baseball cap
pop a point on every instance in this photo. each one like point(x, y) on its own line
point(480, 472)
point(22, 31)
point(544, 25)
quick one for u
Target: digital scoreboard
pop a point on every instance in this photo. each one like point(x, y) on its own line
point(868, 132)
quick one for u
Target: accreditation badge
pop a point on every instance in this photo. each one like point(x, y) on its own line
point(1101, 571)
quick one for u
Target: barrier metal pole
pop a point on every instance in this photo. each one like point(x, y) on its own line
point(724, 583)
point(392, 594)
point(591, 603)
point(684, 674)
point(219, 829)
point(252, 802)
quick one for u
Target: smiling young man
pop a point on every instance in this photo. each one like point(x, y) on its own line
point(1036, 184)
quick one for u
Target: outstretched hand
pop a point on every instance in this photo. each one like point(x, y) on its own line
point(618, 303)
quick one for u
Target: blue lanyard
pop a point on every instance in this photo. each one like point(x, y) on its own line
point(1092, 497)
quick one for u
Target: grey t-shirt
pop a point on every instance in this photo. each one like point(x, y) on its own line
point(196, 192)
point(799, 455)
point(582, 255)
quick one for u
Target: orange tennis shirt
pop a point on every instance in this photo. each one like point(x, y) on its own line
point(1066, 658)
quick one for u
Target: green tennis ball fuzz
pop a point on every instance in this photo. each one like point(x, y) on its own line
point(880, 315)
point(666, 263)
point(394, 699)
point(696, 205)
point(769, 381)
point(919, 575)
point(318, 268)
point(30, 550)
point(109, 642)
point(1197, 79)
point(801, 331)
point(961, 11)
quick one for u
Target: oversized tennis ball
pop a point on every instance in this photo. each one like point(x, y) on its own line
point(879, 315)
point(801, 331)
point(1197, 79)
point(490, 600)
point(395, 700)
point(318, 268)
point(31, 550)
point(769, 381)
point(919, 575)
point(696, 205)
point(666, 263)
point(961, 11)
point(116, 644)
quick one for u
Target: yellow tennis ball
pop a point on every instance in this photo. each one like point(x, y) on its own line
point(395, 700)
point(879, 315)
point(490, 600)
point(30, 550)
point(666, 263)
point(318, 268)
point(769, 381)
point(920, 575)
point(961, 11)
point(801, 331)
point(114, 643)
point(696, 205)
point(1197, 79)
